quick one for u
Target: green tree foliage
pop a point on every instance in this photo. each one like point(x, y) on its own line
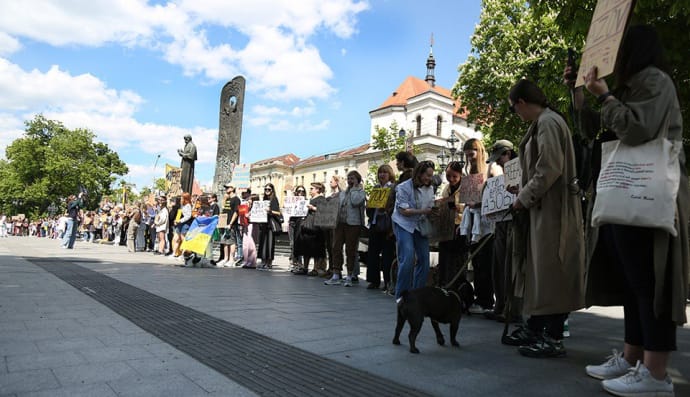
point(50, 162)
point(389, 142)
point(516, 39)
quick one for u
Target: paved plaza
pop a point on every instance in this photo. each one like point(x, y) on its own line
point(99, 321)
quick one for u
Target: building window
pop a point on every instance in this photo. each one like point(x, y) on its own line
point(439, 123)
point(325, 175)
point(419, 125)
point(313, 177)
point(302, 180)
point(336, 172)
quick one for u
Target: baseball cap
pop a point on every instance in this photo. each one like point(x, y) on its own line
point(499, 148)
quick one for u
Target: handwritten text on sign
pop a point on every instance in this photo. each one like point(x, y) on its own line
point(327, 213)
point(513, 173)
point(295, 206)
point(604, 38)
point(471, 188)
point(378, 197)
point(496, 198)
point(258, 212)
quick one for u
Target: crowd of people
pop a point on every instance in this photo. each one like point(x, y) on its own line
point(533, 268)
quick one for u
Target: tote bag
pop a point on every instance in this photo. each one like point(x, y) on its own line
point(638, 185)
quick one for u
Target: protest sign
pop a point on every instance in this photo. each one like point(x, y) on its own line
point(604, 38)
point(513, 173)
point(295, 206)
point(471, 188)
point(327, 213)
point(258, 212)
point(496, 199)
point(173, 177)
point(223, 221)
point(240, 176)
point(378, 197)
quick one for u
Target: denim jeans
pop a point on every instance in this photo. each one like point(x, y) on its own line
point(70, 234)
point(411, 276)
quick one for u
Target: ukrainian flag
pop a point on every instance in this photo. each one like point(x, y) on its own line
point(199, 234)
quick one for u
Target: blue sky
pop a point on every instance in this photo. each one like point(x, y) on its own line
point(142, 74)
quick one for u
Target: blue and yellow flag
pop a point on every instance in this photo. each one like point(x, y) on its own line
point(199, 234)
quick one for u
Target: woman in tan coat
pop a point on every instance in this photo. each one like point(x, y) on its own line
point(553, 267)
point(644, 269)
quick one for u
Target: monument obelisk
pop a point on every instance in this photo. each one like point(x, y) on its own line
point(229, 132)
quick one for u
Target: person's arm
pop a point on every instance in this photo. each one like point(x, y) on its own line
point(549, 163)
point(186, 213)
point(357, 196)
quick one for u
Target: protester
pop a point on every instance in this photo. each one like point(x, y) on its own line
point(182, 225)
point(413, 203)
point(160, 223)
point(644, 269)
point(267, 231)
point(337, 185)
point(446, 217)
point(174, 214)
point(250, 234)
point(135, 218)
point(381, 247)
point(553, 267)
point(310, 242)
point(476, 229)
point(349, 222)
point(74, 204)
point(294, 222)
point(231, 233)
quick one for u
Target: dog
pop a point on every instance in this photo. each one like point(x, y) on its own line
point(441, 306)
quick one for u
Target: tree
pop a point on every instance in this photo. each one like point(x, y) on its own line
point(510, 42)
point(516, 39)
point(388, 142)
point(50, 162)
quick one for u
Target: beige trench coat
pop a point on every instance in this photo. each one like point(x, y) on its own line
point(554, 264)
point(637, 117)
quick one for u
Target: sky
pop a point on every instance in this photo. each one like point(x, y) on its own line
point(142, 74)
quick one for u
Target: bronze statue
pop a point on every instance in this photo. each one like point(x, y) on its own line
point(188, 154)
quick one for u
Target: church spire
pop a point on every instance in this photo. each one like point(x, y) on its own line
point(431, 64)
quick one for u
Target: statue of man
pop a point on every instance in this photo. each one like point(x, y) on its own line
point(188, 154)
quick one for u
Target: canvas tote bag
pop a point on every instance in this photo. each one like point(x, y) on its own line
point(638, 185)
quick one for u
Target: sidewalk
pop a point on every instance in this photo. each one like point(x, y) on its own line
point(56, 340)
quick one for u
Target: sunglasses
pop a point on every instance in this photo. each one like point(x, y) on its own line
point(301, 191)
point(268, 189)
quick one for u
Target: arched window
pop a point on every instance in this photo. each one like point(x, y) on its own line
point(439, 123)
point(419, 125)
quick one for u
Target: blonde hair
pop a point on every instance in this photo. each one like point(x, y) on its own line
point(478, 165)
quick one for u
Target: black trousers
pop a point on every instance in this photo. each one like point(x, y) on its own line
point(549, 324)
point(380, 256)
point(501, 265)
point(451, 256)
point(483, 282)
point(633, 251)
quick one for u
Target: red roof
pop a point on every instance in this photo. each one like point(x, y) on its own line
point(413, 86)
point(344, 153)
point(287, 159)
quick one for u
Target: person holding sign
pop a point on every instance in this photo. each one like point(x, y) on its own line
point(381, 243)
point(553, 267)
point(644, 269)
point(346, 232)
point(414, 200)
point(446, 217)
point(294, 222)
point(475, 226)
point(267, 238)
point(310, 242)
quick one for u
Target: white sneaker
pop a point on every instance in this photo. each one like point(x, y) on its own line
point(334, 280)
point(614, 367)
point(638, 382)
point(476, 309)
point(347, 282)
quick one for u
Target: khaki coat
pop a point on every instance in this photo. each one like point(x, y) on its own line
point(554, 263)
point(636, 116)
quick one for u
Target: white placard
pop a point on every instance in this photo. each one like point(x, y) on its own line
point(513, 173)
point(258, 212)
point(496, 198)
point(295, 206)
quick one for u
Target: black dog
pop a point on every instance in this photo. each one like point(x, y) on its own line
point(442, 306)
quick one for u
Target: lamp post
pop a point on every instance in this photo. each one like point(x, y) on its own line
point(442, 160)
point(451, 142)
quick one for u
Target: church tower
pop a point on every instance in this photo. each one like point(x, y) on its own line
point(431, 65)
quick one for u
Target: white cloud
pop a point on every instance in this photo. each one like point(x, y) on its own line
point(275, 57)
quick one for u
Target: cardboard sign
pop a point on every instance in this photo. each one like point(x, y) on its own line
point(222, 221)
point(604, 38)
point(258, 212)
point(173, 178)
point(295, 206)
point(471, 188)
point(496, 199)
point(378, 197)
point(240, 176)
point(326, 214)
point(513, 173)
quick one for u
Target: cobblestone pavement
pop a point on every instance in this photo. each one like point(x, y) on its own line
point(60, 340)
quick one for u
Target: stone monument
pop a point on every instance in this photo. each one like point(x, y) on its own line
point(229, 132)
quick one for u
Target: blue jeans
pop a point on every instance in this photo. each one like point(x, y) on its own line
point(70, 234)
point(409, 275)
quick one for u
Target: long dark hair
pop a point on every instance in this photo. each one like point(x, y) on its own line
point(641, 47)
point(273, 191)
point(419, 170)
